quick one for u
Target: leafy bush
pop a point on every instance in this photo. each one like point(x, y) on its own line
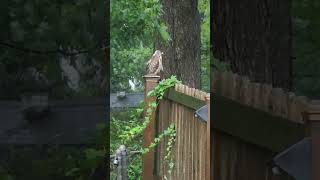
point(58, 162)
point(121, 121)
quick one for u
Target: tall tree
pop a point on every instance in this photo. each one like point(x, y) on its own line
point(254, 38)
point(182, 53)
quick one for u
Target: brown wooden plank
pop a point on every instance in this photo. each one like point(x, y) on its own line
point(149, 133)
point(254, 126)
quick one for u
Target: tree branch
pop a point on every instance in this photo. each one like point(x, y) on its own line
point(47, 52)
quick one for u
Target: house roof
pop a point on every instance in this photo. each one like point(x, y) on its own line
point(130, 100)
point(69, 122)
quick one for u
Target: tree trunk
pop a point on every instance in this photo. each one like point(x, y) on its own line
point(182, 54)
point(254, 38)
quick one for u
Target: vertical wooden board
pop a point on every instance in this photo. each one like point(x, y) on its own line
point(180, 148)
point(168, 112)
point(302, 106)
point(194, 148)
point(228, 84)
point(181, 142)
point(249, 94)
point(198, 154)
point(235, 87)
point(217, 83)
point(190, 118)
point(186, 145)
point(256, 95)
point(176, 150)
point(167, 116)
point(191, 144)
point(292, 111)
point(276, 95)
point(183, 153)
point(266, 92)
point(159, 123)
point(193, 133)
point(233, 158)
point(171, 113)
point(176, 145)
point(191, 147)
point(200, 150)
point(217, 173)
point(157, 132)
point(284, 105)
point(224, 168)
point(177, 87)
point(196, 157)
point(204, 148)
point(223, 84)
point(244, 90)
point(282, 98)
point(177, 142)
point(161, 146)
point(214, 81)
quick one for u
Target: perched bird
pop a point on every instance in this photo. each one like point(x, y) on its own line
point(154, 65)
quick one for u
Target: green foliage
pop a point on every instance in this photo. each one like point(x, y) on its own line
point(40, 32)
point(134, 26)
point(306, 44)
point(121, 121)
point(163, 85)
point(56, 162)
point(158, 92)
point(128, 64)
point(131, 127)
point(169, 157)
point(204, 10)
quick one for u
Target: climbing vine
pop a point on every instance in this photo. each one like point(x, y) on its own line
point(128, 135)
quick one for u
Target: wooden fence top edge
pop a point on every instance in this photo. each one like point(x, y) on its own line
point(151, 76)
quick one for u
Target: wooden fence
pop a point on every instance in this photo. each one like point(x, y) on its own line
point(252, 122)
point(191, 150)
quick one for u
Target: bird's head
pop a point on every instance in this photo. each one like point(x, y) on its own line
point(158, 53)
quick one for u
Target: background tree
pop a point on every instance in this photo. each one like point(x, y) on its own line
point(182, 51)
point(254, 38)
point(270, 41)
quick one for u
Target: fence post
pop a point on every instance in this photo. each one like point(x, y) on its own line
point(122, 168)
point(313, 118)
point(150, 82)
point(209, 159)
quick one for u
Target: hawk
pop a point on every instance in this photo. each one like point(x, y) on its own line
point(154, 65)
